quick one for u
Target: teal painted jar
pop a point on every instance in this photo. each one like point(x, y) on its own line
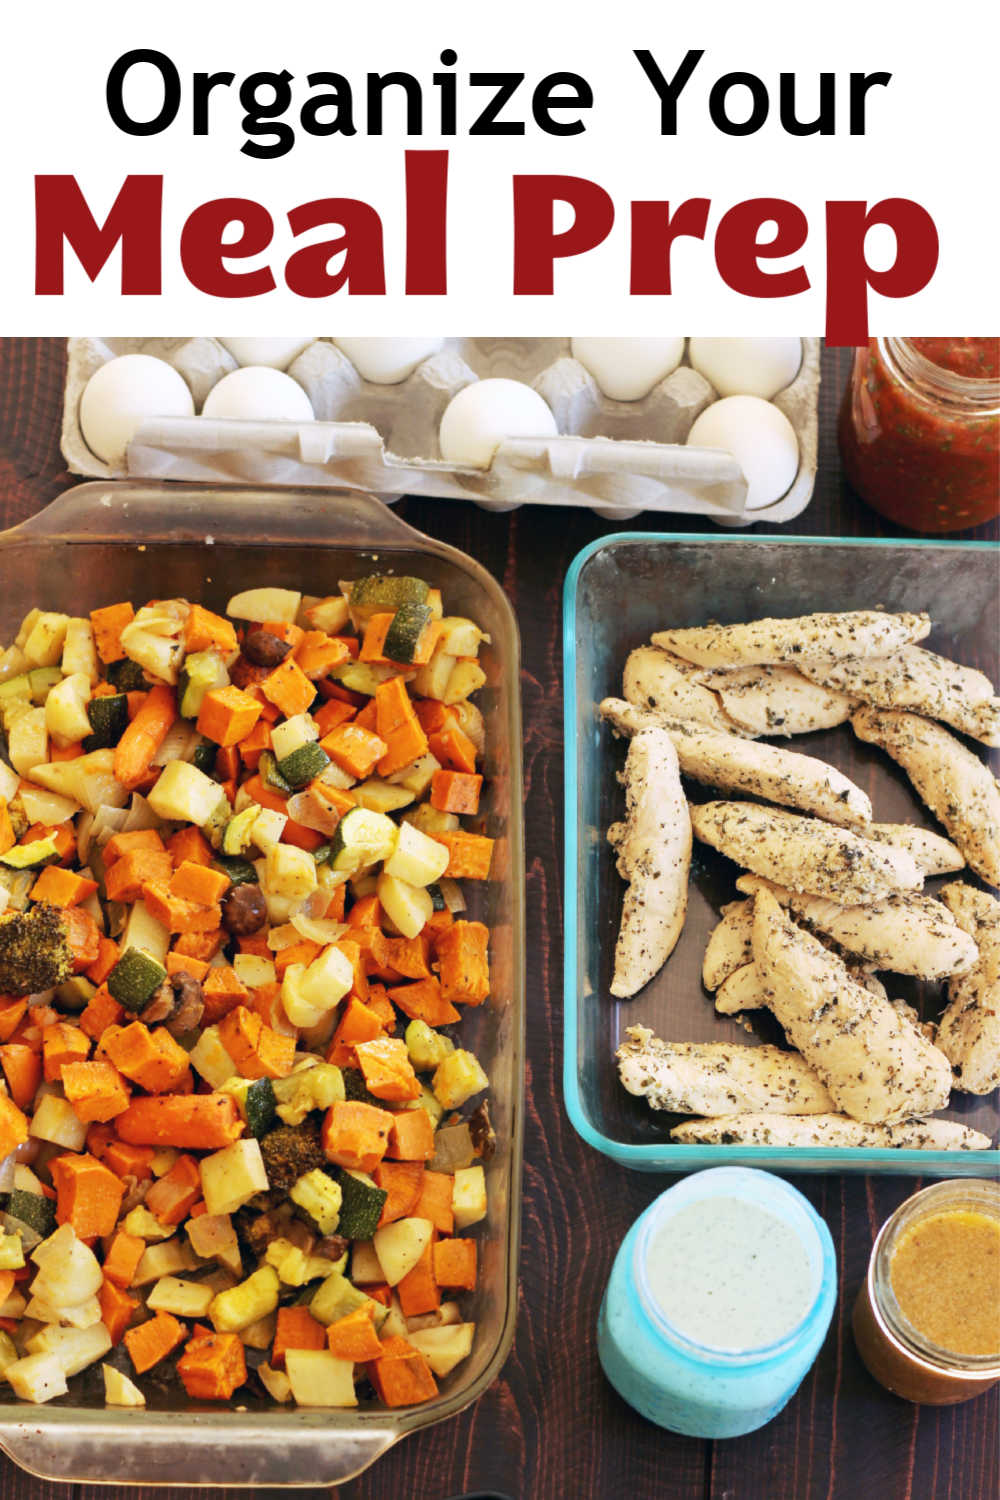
point(718, 1302)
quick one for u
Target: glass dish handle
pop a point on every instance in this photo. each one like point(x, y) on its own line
point(121, 512)
point(161, 1450)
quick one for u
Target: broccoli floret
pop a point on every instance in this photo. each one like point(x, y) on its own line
point(320, 1197)
point(34, 950)
point(289, 1152)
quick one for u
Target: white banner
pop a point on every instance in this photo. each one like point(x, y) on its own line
point(604, 168)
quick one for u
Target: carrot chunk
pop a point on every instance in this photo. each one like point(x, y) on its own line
point(108, 624)
point(196, 1122)
point(144, 736)
point(150, 1342)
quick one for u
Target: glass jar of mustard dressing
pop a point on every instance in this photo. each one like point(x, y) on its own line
point(920, 430)
point(927, 1320)
point(717, 1304)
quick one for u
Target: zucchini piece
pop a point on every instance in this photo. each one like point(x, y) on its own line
point(76, 993)
point(270, 774)
point(363, 676)
point(31, 856)
point(362, 838)
point(239, 831)
point(43, 680)
point(108, 721)
point(361, 1205)
point(240, 871)
point(202, 671)
point(407, 633)
point(126, 675)
point(380, 592)
point(434, 891)
point(257, 1103)
point(323, 854)
point(135, 978)
point(204, 756)
point(303, 765)
point(35, 1210)
point(337, 1296)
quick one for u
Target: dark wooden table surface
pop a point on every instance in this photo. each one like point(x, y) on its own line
point(551, 1428)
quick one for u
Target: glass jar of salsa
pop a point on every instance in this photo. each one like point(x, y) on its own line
point(920, 430)
point(927, 1320)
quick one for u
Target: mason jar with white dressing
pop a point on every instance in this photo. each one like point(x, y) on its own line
point(718, 1302)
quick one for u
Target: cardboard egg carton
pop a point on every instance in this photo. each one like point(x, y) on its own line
point(617, 457)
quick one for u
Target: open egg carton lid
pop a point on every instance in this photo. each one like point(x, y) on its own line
point(616, 457)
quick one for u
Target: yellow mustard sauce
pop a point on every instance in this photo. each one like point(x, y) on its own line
point(945, 1275)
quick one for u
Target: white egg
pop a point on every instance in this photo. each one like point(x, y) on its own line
point(760, 438)
point(747, 367)
point(278, 353)
point(387, 361)
point(257, 393)
point(119, 397)
point(628, 369)
point(477, 420)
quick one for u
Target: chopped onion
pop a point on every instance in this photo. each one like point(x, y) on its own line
point(318, 929)
point(140, 816)
point(304, 809)
point(281, 937)
point(451, 893)
point(107, 822)
point(180, 743)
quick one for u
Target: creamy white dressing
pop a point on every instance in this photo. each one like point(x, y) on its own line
point(730, 1275)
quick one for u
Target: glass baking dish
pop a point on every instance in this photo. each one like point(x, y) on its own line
point(100, 542)
point(618, 591)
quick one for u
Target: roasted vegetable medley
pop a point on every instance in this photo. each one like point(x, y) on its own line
point(239, 1136)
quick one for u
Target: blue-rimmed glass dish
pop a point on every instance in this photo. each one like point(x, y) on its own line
point(617, 592)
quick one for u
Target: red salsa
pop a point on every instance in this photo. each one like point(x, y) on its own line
point(920, 430)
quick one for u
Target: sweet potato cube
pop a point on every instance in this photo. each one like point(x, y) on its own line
point(63, 1044)
point(354, 1337)
point(424, 1001)
point(462, 963)
point(387, 1068)
point(257, 1051)
point(204, 631)
point(227, 715)
point(296, 1328)
point(435, 1203)
point(455, 1263)
point(418, 1291)
point(356, 1135)
point(122, 1258)
point(88, 1196)
point(116, 1306)
point(355, 750)
point(469, 854)
point(402, 1181)
point(402, 1377)
point(108, 624)
point(456, 792)
point(125, 879)
point(411, 1138)
point(150, 1342)
point(96, 1090)
point(194, 881)
point(152, 1059)
point(213, 1366)
point(288, 688)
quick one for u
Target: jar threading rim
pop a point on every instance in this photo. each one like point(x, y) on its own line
point(967, 395)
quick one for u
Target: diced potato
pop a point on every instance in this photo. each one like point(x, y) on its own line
point(47, 808)
point(418, 775)
point(260, 1335)
point(265, 604)
point(164, 1259)
point(318, 1378)
point(253, 971)
point(289, 872)
point(268, 827)
point(66, 709)
point(432, 680)
point(468, 1196)
point(327, 979)
point(44, 644)
point(185, 1299)
point(444, 1347)
point(431, 819)
point(417, 859)
point(232, 1176)
point(409, 906)
point(8, 1352)
point(146, 932)
point(400, 1245)
point(11, 1252)
point(55, 1121)
point(183, 794)
point(119, 1390)
point(210, 1059)
point(90, 779)
point(457, 1078)
point(78, 1315)
point(159, 655)
point(38, 1377)
point(293, 1003)
point(330, 614)
point(79, 652)
point(244, 1304)
point(460, 637)
point(74, 1348)
point(291, 734)
point(28, 741)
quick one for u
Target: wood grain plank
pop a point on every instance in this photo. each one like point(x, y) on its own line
point(551, 1428)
